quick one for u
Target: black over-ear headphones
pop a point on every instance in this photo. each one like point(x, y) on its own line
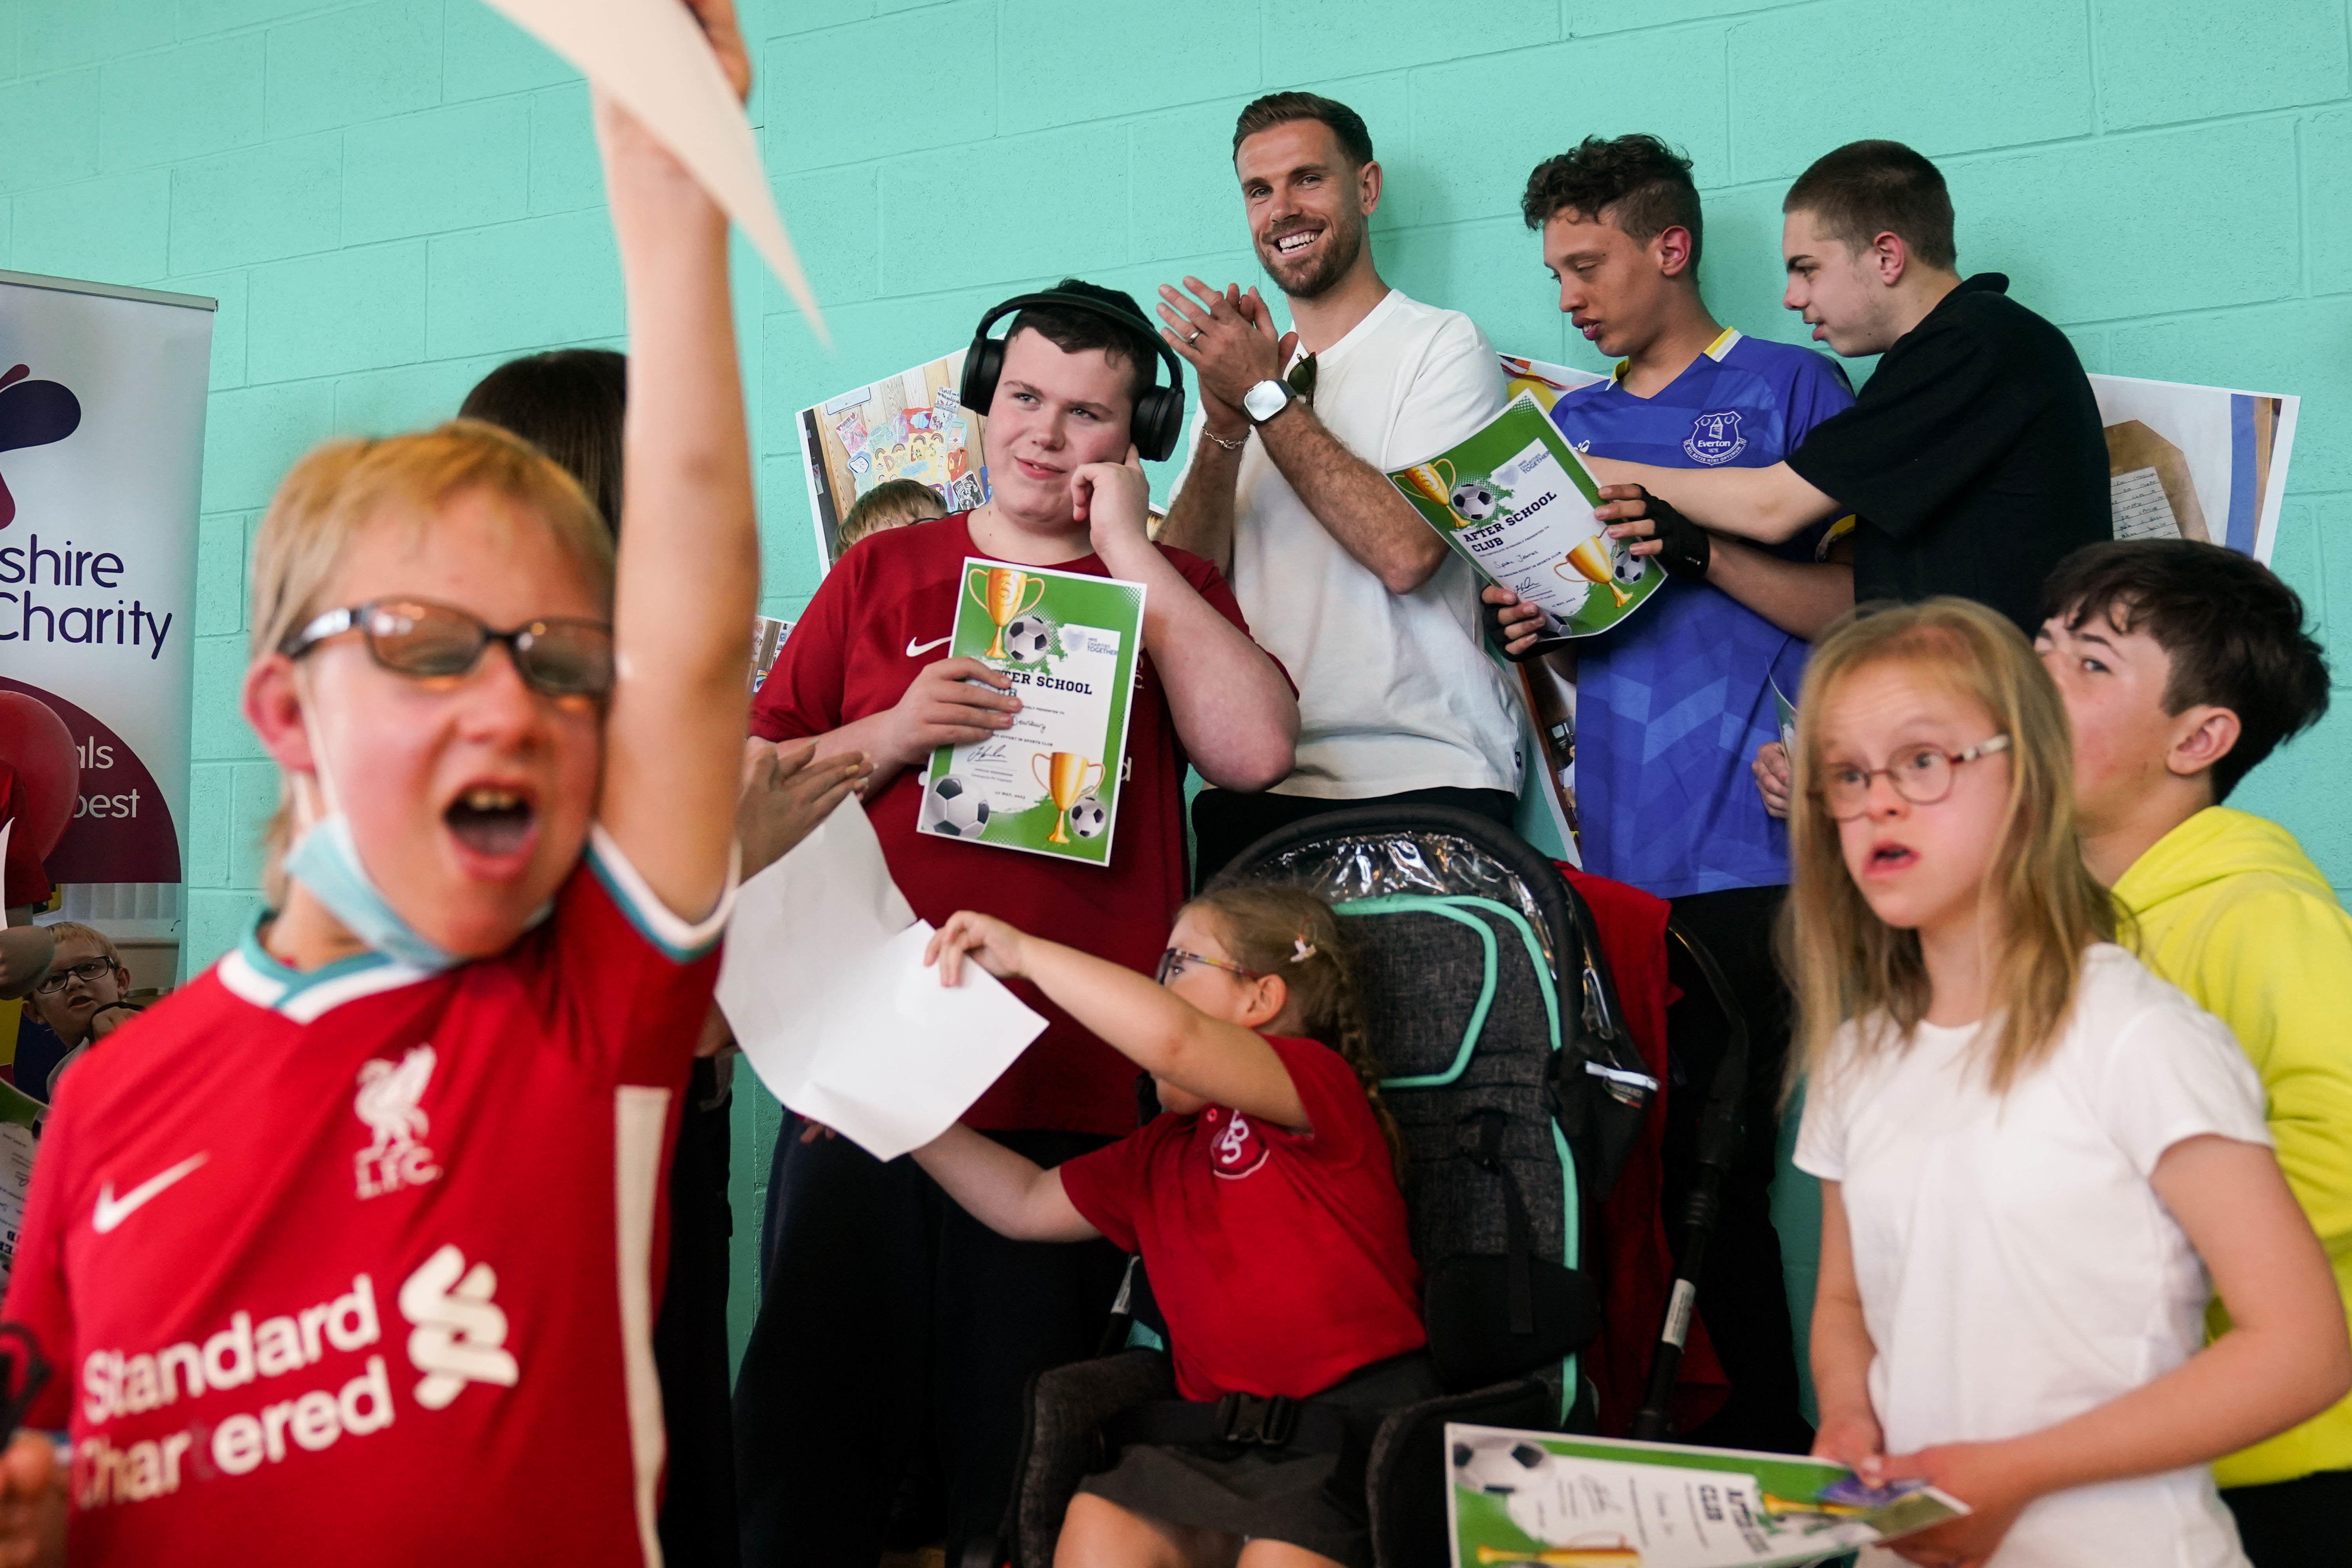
point(1158, 418)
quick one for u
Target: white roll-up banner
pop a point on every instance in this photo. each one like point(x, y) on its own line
point(102, 462)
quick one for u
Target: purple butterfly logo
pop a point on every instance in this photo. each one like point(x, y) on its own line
point(32, 413)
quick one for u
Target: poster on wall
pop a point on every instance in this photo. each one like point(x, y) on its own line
point(911, 426)
point(2196, 462)
point(102, 458)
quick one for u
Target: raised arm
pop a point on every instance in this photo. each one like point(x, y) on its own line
point(1008, 1193)
point(1353, 501)
point(1200, 518)
point(1801, 597)
point(689, 571)
point(1770, 505)
point(2284, 1359)
point(1145, 1022)
point(1229, 702)
point(1231, 341)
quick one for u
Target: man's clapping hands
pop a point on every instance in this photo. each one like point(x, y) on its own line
point(1229, 340)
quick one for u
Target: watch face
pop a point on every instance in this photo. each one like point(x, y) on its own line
point(1265, 400)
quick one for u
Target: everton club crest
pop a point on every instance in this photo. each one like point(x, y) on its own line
point(1714, 438)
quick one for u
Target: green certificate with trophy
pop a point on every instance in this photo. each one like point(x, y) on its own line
point(1051, 784)
point(1515, 500)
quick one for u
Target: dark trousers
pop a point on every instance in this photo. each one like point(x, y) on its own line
point(1224, 824)
point(897, 1330)
point(2294, 1524)
point(697, 1513)
point(1742, 1296)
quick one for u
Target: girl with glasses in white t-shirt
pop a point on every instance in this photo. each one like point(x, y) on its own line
point(2033, 1153)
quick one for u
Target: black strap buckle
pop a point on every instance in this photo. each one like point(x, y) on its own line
point(1257, 1418)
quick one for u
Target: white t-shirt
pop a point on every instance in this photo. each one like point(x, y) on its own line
point(1395, 690)
point(2016, 1268)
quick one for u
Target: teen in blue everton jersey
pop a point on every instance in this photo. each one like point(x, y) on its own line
point(1672, 702)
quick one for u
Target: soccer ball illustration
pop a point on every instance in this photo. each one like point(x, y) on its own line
point(1629, 566)
point(1027, 639)
point(1088, 817)
point(1533, 1486)
point(1473, 500)
point(1498, 1466)
point(957, 810)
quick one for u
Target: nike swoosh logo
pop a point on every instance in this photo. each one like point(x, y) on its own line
point(112, 1211)
point(918, 650)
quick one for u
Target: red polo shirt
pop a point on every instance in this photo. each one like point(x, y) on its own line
point(1281, 1259)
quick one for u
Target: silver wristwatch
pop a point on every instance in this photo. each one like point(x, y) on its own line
point(1267, 399)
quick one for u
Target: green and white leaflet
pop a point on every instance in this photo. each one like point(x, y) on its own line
point(1548, 1500)
point(1515, 502)
point(1051, 784)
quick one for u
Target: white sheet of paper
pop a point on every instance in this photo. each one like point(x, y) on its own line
point(824, 986)
point(651, 56)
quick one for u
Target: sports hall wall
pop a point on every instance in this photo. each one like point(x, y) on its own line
point(390, 197)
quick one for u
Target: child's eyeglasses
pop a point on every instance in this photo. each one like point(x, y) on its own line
point(1172, 963)
point(89, 972)
point(559, 656)
point(1922, 775)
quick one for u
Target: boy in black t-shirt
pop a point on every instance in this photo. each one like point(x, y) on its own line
point(1974, 456)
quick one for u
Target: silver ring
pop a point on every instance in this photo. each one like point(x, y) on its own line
point(1194, 339)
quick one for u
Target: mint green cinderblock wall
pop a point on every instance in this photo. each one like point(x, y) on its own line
point(389, 197)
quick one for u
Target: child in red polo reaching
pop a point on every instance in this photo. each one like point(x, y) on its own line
point(347, 1250)
point(1264, 1200)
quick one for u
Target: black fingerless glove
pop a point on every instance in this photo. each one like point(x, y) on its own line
point(1685, 548)
point(1497, 634)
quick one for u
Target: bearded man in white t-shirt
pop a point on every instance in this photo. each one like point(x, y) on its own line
point(1286, 491)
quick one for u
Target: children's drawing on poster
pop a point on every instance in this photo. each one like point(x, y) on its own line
point(911, 426)
point(2196, 462)
point(768, 635)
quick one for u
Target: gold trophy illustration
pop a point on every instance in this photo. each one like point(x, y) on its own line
point(1426, 481)
point(1064, 779)
point(1590, 562)
point(1004, 598)
point(1616, 1554)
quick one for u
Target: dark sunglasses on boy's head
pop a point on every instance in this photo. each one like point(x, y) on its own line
point(558, 656)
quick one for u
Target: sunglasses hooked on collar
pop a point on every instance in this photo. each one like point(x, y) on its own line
point(557, 655)
point(1302, 380)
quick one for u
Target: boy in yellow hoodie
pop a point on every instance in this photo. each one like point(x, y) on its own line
point(2182, 666)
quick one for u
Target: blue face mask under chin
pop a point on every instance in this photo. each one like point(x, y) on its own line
point(326, 861)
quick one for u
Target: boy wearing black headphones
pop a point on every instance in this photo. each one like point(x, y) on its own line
point(892, 1319)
